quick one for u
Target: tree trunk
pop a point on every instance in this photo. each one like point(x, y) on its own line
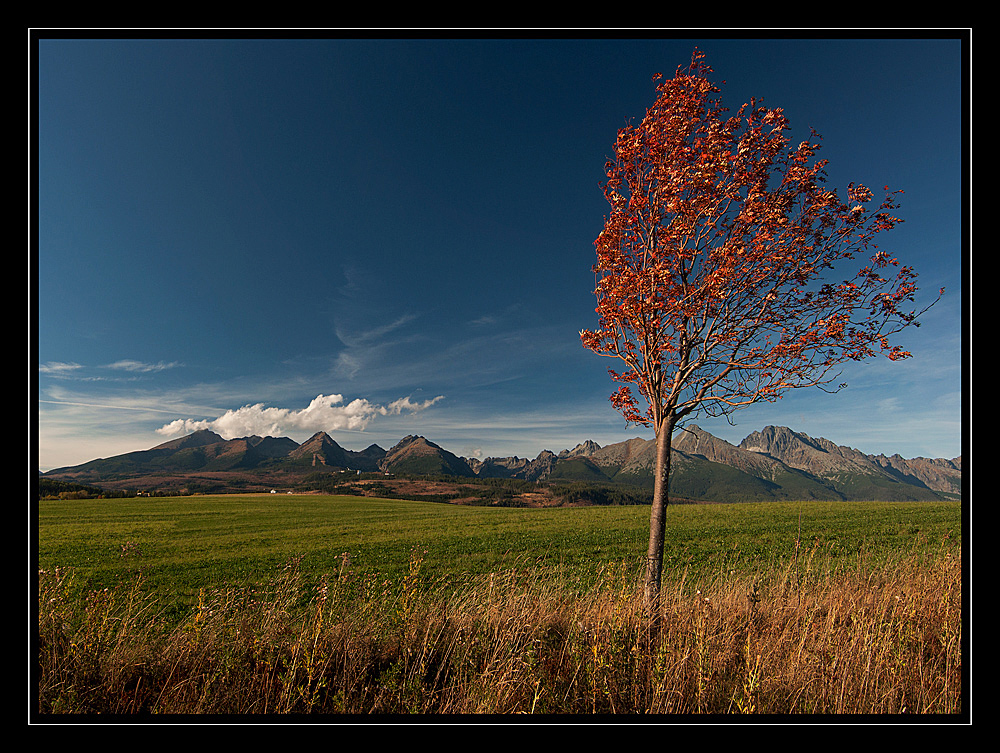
point(658, 519)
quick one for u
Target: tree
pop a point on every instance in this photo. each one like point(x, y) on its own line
point(711, 273)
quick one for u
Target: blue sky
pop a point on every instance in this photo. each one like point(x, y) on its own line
point(387, 237)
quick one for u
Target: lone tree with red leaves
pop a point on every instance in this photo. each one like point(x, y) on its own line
point(712, 264)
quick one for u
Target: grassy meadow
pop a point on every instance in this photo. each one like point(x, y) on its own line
point(273, 604)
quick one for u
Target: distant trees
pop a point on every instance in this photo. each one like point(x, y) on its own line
point(51, 488)
point(713, 269)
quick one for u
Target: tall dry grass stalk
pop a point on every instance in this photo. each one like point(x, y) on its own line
point(868, 639)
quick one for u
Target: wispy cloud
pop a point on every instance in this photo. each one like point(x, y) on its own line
point(70, 369)
point(324, 413)
point(57, 368)
point(109, 406)
point(487, 320)
point(374, 334)
point(140, 366)
point(406, 405)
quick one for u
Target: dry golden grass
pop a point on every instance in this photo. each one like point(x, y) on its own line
point(868, 639)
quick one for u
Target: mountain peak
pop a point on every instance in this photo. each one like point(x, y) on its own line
point(415, 454)
point(411, 438)
point(199, 438)
point(588, 447)
point(820, 457)
point(775, 462)
point(777, 441)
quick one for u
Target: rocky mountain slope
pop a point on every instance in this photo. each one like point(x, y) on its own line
point(824, 459)
point(417, 456)
point(320, 451)
point(514, 467)
point(774, 463)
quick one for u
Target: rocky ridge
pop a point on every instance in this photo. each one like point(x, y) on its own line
point(773, 463)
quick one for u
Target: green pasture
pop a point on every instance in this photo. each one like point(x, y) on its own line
point(180, 545)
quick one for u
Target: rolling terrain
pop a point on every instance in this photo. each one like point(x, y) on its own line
point(771, 464)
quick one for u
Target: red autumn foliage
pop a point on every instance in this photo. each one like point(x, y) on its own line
point(713, 262)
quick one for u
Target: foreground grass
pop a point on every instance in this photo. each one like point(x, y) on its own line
point(870, 640)
point(862, 615)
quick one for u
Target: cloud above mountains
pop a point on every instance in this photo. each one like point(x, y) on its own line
point(324, 413)
point(82, 373)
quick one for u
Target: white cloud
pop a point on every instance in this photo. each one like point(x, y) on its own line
point(64, 369)
point(132, 365)
point(324, 413)
point(405, 404)
point(57, 368)
point(888, 405)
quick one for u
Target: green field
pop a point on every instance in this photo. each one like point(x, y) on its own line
point(276, 604)
point(180, 545)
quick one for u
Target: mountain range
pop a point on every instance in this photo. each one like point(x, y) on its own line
point(774, 463)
